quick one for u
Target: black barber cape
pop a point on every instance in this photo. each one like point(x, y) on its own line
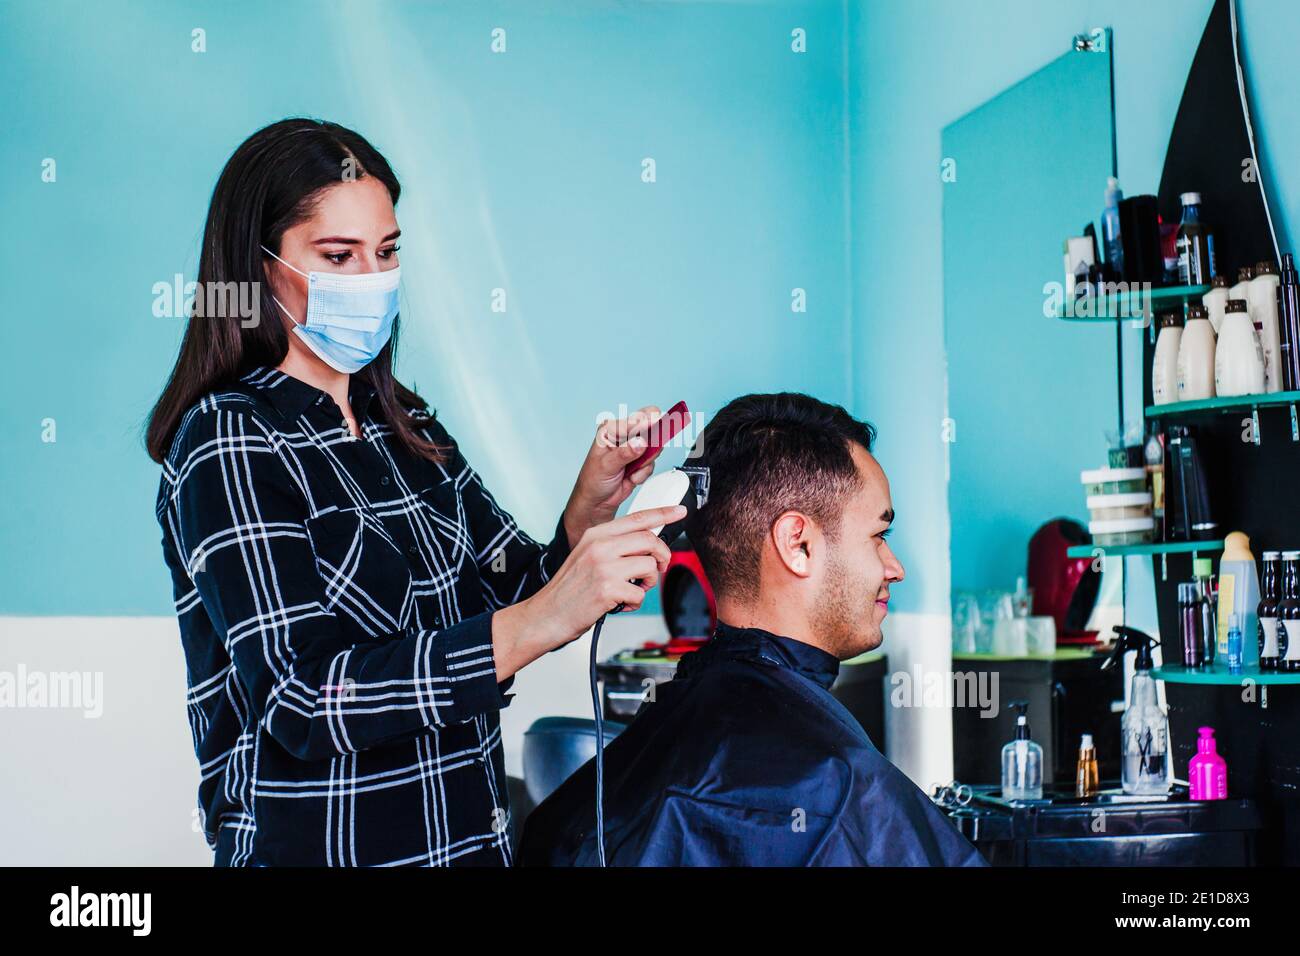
point(745, 759)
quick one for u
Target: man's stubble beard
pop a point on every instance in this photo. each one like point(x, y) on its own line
point(844, 625)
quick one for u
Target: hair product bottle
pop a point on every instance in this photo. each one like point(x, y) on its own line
point(1110, 231)
point(1085, 776)
point(1238, 358)
point(1164, 370)
point(1215, 301)
point(1195, 244)
point(1187, 494)
point(1288, 313)
point(1242, 288)
point(1196, 356)
point(1022, 761)
point(1203, 572)
point(1207, 773)
point(1189, 625)
point(1238, 590)
point(1144, 728)
point(1288, 632)
point(1234, 644)
point(1262, 303)
point(1268, 608)
point(1154, 453)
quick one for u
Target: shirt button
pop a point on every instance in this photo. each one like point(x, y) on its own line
point(384, 481)
point(413, 551)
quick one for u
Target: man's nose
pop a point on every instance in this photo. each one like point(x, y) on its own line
point(893, 567)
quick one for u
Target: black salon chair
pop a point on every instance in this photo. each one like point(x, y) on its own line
point(554, 747)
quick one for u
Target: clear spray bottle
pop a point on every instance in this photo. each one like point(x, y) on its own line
point(1144, 745)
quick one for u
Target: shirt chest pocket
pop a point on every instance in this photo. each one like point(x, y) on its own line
point(444, 530)
point(366, 578)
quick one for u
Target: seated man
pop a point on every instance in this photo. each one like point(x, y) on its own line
point(745, 758)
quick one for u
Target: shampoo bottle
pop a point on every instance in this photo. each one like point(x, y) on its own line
point(1238, 358)
point(1242, 288)
point(1215, 301)
point(1022, 761)
point(1261, 297)
point(1207, 774)
point(1196, 356)
point(1164, 369)
point(1238, 594)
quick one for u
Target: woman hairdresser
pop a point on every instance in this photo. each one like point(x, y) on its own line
point(353, 603)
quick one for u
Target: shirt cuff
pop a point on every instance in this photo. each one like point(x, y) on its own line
point(469, 669)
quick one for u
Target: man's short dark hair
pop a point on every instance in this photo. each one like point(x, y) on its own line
point(769, 454)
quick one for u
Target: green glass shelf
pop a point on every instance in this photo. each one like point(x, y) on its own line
point(1229, 403)
point(1133, 305)
point(1153, 547)
point(1060, 654)
point(1219, 674)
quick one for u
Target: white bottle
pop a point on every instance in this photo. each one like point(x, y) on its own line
point(1262, 304)
point(1196, 356)
point(1164, 369)
point(1238, 359)
point(1242, 289)
point(1215, 300)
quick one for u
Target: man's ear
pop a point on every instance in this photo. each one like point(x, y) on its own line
point(792, 538)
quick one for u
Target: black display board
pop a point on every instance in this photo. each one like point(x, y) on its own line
point(1252, 488)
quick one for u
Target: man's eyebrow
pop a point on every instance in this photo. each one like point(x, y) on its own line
point(887, 516)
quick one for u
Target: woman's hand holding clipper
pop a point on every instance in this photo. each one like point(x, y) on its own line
point(596, 578)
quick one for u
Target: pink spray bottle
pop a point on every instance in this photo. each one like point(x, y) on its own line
point(1208, 773)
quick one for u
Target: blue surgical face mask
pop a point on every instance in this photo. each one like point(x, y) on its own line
point(349, 317)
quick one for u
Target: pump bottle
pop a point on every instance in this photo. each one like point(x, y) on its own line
point(1022, 761)
point(1207, 774)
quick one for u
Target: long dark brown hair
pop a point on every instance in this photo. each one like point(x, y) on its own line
point(269, 185)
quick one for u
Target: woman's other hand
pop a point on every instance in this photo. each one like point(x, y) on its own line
point(602, 485)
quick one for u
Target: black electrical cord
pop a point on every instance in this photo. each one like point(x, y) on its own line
point(600, 744)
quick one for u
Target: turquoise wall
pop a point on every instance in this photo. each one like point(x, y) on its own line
point(916, 67)
point(521, 171)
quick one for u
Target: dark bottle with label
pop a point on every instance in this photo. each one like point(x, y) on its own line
point(1268, 604)
point(1189, 619)
point(1288, 319)
point(1288, 632)
point(1194, 243)
point(1187, 496)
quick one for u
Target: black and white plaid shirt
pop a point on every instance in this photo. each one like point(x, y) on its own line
point(335, 598)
